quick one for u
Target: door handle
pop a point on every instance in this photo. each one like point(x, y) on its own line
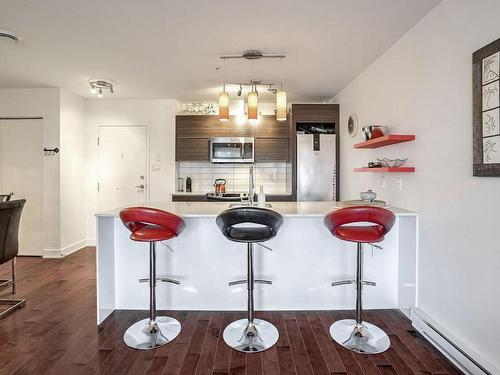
point(141, 186)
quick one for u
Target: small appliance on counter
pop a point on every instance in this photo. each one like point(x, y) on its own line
point(188, 185)
point(180, 185)
point(220, 186)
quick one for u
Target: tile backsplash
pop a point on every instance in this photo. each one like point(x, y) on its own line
point(275, 177)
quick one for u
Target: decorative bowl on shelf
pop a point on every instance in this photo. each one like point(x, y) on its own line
point(374, 131)
point(392, 163)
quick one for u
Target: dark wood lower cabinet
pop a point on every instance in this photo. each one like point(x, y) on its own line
point(272, 149)
point(192, 149)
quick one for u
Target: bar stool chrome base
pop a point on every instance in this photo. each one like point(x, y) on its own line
point(365, 339)
point(145, 334)
point(250, 338)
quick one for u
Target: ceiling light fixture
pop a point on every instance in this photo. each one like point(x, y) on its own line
point(223, 100)
point(281, 99)
point(223, 104)
point(7, 34)
point(253, 104)
point(98, 85)
point(252, 98)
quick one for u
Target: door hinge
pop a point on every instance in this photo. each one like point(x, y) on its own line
point(98, 141)
point(98, 186)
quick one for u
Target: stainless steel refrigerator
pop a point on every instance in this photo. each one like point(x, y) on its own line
point(315, 167)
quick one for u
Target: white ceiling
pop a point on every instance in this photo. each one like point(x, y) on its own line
point(170, 48)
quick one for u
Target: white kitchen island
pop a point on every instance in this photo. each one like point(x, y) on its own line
point(305, 260)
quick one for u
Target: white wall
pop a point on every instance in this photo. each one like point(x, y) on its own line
point(72, 169)
point(423, 85)
point(159, 116)
point(44, 103)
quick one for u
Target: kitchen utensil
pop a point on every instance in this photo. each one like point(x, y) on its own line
point(368, 196)
point(392, 163)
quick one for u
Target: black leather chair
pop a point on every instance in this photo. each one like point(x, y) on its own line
point(250, 225)
point(10, 217)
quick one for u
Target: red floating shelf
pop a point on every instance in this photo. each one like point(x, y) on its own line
point(385, 140)
point(386, 170)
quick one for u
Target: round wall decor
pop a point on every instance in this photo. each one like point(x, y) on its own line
point(352, 125)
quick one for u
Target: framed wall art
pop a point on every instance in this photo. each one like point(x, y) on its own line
point(486, 110)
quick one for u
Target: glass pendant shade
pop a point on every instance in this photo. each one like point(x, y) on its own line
point(223, 106)
point(252, 102)
point(281, 106)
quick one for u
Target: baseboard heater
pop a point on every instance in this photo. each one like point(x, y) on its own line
point(449, 346)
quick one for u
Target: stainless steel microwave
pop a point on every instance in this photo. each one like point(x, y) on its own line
point(232, 149)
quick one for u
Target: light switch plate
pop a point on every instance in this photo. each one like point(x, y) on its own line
point(382, 182)
point(156, 166)
point(399, 183)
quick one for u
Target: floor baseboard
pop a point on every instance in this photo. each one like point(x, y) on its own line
point(67, 250)
point(458, 353)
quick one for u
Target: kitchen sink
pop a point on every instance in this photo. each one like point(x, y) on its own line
point(245, 204)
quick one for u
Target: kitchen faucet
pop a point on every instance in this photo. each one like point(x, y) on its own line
point(250, 186)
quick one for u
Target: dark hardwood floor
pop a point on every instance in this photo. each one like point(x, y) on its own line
point(55, 333)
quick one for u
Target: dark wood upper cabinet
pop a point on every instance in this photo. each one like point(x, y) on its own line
point(315, 112)
point(192, 149)
point(197, 126)
point(272, 149)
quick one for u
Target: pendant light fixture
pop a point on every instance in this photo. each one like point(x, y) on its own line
point(281, 105)
point(253, 105)
point(224, 104)
point(223, 98)
point(281, 98)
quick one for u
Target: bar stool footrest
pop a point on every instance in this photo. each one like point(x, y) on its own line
point(5, 283)
point(161, 279)
point(352, 281)
point(256, 281)
point(14, 303)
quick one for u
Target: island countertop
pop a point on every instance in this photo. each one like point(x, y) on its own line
point(212, 209)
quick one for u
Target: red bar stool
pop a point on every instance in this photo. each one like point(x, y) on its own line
point(357, 335)
point(152, 225)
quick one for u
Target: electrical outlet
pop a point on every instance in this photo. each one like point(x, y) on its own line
point(382, 182)
point(399, 183)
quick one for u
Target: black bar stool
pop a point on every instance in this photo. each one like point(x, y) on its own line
point(358, 335)
point(250, 335)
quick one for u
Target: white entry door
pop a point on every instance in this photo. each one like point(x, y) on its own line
point(122, 176)
point(21, 173)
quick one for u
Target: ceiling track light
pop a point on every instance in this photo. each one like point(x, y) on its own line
point(252, 98)
point(7, 34)
point(253, 54)
point(97, 87)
